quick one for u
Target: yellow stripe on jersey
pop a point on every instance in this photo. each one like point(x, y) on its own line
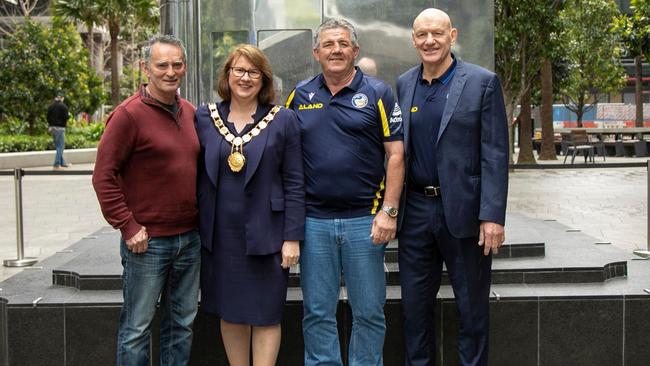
point(375, 201)
point(290, 98)
point(384, 120)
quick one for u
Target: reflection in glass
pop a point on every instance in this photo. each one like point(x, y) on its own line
point(284, 29)
point(384, 30)
point(222, 44)
point(290, 54)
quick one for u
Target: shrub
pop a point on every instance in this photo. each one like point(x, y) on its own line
point(22, 143)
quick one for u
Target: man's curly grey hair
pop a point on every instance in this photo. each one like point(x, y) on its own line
point(335, 23)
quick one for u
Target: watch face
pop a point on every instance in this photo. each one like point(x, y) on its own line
point(391, 211)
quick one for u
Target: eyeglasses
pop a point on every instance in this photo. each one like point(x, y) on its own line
point(240, 71)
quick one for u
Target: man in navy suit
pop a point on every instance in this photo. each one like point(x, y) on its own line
point(454, 201)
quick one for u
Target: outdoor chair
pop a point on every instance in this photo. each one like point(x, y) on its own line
point(579, 143)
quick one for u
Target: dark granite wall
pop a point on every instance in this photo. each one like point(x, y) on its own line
point(4, 347)
point(594, 331)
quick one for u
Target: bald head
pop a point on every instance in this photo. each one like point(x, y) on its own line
point(368, 66)
point(432, 14)
point(433, 37)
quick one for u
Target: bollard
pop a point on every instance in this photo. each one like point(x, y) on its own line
point(21, 261)
point(646, 253)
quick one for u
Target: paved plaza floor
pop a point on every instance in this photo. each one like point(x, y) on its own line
point(609, 204)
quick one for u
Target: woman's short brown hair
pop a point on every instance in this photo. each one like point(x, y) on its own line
point(260, 61)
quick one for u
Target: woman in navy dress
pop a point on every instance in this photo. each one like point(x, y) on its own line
point(251, 206)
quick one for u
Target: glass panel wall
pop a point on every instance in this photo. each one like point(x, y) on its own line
point(284, 30)
point(384, 30)
point(290, 54)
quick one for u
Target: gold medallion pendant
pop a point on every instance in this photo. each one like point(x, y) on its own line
point(236, 159)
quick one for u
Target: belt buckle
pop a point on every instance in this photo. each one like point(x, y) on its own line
point(431, 191)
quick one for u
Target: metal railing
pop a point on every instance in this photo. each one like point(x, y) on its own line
point(18, 173)
point(646, 253)
point(22, 261)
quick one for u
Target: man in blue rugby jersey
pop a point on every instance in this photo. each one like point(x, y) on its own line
point(353, 159)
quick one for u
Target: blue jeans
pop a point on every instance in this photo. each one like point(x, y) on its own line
point(332, 246)
point(168, 270)
point(58, 134)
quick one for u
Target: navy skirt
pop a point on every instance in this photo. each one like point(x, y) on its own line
point(239, 288)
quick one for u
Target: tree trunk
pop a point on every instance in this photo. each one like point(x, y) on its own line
point(114, 30)
point(91, 45)
point(509, 116)
point(134, 62)
point(638, 93)
point(525, 130)
point(579, 113)
point(547, 151)
point(31, 123)
point(580, 109)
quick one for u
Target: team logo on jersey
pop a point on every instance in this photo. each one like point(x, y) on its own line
point(359, 100)
point(311, 95)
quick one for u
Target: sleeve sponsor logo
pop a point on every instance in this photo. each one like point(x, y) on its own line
point(360, 100)
point(396, 114)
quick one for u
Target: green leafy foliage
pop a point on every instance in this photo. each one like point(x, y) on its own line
point(79, 10)
point(78, 135)
point(522, 39)
point(116, 15)
point(634, 29)
point(20, 143)
point(91, 132)
point(592, 48)
point(38, 63)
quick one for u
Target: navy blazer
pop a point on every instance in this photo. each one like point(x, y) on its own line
point(472, 147)
point(274, 181)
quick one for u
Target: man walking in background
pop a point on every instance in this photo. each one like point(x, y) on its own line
point(57, 120)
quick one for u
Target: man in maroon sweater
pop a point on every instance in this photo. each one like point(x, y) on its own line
point(145, 180)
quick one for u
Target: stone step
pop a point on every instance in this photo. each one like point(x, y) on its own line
point(581, 303)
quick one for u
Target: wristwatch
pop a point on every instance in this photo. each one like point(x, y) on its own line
point(390, 211)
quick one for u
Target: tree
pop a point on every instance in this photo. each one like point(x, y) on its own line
point(133, 36)
point(518, 53)
point(547, 150)
point(84, 11)
point(13, 11)
point(635, 30)
point(39, 62)
point(115, 14)
point(592, 53)
point(552, 52)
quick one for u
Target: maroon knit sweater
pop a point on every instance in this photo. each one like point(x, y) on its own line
point(145, 172)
